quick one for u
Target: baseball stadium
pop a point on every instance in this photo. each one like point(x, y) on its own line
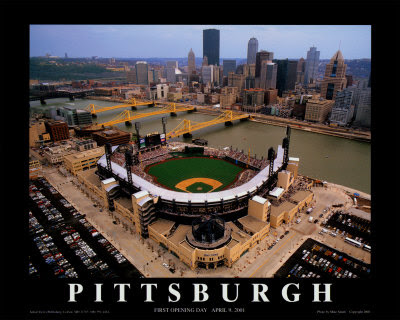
point(207, 206)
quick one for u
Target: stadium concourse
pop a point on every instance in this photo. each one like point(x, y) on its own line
point(159, 189)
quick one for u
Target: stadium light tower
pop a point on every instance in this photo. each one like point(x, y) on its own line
point(128, 164)
point(271, 158)
point(164, 122)
point(108, 155)
point(137, 127)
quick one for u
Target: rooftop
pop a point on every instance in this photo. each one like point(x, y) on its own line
point(300, 195)
point(109, 180)
point(125, 202)
point(253, 224)
point(162, 226)
point(276, 192)
point(90, 176)
point(97, 152)
point(140, 194)
point(285, 206)
point(237, 234)
point(259, 199)
point(180, 233)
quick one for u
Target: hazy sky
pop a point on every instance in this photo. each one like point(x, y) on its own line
point(175, 41)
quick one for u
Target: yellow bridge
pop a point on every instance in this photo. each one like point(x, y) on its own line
point(128, 116)
point(94, 109)
point(186, 127)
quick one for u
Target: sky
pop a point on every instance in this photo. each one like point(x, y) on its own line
point(175, 41)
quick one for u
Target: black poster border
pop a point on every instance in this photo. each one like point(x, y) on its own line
point(23, 295)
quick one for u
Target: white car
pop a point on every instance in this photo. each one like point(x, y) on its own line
point(165, 265)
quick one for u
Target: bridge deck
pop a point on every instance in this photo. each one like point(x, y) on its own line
point(187, 126)
point(128, 115)
point(94, 109)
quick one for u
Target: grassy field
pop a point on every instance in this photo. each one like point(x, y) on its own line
point(170, 173)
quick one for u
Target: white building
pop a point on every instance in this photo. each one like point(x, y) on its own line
point(162, 91)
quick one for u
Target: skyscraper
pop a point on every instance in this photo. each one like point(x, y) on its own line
point(191, 62)
point(281, 75)
point(291, 75)
point(207, 73)
point(342, 110)
point(171, 75)
point(363, 115)
point(252, 49)
point(286, 75)
point(229, 66)
point(301, 64)
point(335, 77)
point(261, 56)
point(142, 72)
point(311, 67)
point(172, 64)
point(268, 75)
point(211, 46)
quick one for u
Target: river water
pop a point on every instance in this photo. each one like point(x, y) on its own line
point(337, 160)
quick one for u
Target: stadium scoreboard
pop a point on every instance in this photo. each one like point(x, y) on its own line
point(152, 139)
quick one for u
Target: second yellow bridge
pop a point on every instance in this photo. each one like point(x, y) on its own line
point(186, 127)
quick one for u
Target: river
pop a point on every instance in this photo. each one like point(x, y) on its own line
point(337, 160)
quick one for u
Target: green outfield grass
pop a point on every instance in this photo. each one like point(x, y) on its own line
point(170, 173)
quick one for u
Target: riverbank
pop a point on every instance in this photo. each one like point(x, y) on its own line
point(322, 129)
point(347, 190)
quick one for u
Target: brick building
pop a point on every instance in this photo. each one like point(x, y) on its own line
point(113, 136)
point(58, 130)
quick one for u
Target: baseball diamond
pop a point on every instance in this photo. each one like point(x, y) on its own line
point(194, 174)
point(199, 185)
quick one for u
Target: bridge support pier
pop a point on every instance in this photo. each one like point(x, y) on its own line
point(173, 114)
point(228, 123)
point(244, 119)
point(133, 108)
point(187, 135)
point(94, 115)
point(128, 123)
point(190, 111)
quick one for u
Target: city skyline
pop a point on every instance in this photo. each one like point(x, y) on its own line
point(172, 41)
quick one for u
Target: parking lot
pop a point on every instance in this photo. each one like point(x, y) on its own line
point(352, 226)
point(64, 244)
point(316, 260)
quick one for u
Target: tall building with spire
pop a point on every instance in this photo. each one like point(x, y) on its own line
point(211, 46)
point(191, 62)
point(252, 49)
point(311, 66)
point(335, 77)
